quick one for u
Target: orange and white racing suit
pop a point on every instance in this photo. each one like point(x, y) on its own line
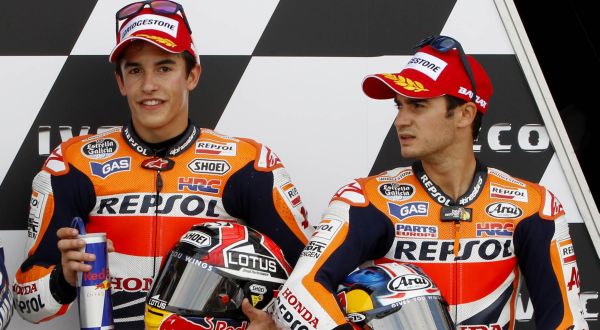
point(145, 203)
point(475, 249)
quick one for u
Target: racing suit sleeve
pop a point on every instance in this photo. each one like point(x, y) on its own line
point(264, 197)
point(6, 308)
point(60, 192)
point(347, 236)
point(547, 260)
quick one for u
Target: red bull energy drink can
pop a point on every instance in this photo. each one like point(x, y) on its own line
point(93, 287)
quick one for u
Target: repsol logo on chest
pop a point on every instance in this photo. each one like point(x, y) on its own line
point(409, 282)
point(396, 192)
point(489, 249)
point(252, 261)
point(503, 210)
point(144, 204)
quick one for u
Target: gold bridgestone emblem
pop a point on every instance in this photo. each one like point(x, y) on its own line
point(406, 83)
point(163, 41)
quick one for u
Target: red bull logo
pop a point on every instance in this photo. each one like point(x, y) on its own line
point(176, 322)
point(104, 285)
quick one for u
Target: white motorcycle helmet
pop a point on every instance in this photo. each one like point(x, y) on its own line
point(393, 296)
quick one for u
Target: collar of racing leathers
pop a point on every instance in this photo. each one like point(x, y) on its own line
point(438, 195)
point(138, 145)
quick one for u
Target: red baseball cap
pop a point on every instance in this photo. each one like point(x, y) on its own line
point(431, 73)
point(167, 31)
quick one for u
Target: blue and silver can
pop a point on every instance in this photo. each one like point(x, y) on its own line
point(93, 287)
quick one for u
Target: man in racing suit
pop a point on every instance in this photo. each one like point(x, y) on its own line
point(6, 308)
point(473, 229)
point(147, 183)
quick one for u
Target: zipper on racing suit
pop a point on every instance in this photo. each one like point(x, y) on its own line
point(159, 186)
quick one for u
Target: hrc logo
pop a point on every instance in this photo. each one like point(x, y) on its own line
point(495, 229)
point(198, 184)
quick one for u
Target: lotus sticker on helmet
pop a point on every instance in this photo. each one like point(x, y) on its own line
point(409, 282)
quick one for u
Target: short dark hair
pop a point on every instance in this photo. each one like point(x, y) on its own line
point(452, 102)
point(189, 59)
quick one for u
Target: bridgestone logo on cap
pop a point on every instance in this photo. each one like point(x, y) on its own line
point(149, 21)
point(427, 64)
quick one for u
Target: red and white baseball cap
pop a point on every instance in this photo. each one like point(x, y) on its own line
point(167, 31)
point(431, 73)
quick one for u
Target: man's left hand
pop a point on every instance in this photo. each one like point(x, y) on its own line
point(259, 320)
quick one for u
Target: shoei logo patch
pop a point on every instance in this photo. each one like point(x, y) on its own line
point(503, 210)
point(110, 167)
point(258, 289)
point(427, 64)
point(196, 238)
point(101, 148)
point(409, 282)
point(209, 166)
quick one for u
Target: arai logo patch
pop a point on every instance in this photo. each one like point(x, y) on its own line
point(503, 210)
point(409, 282)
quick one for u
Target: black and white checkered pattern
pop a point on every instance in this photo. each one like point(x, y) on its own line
point(286, 73)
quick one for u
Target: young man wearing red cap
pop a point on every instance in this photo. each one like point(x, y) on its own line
point(147, 183)
point(473, 229)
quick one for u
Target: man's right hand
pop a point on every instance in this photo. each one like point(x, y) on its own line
point(72, 255)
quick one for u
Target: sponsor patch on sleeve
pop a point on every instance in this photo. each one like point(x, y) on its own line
point(267, 158)
point(352, 193)
point(327, 229)
point(36, 207)
point(552, 206)
point(55, 162)
point(567, 252)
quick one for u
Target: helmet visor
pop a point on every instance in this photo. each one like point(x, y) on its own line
point(426, 312)
point(187, 286)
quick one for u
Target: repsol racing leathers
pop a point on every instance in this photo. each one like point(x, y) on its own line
point(475, 249)
point(144, 204)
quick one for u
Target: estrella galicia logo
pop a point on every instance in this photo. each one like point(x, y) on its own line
point(396, 192)
point(408, 210)
point(112, 166)
point(101, 148)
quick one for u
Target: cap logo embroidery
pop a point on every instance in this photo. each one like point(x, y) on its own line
point(406, 83)
point(163, 41)
point(148, 21)
point(427, 64)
